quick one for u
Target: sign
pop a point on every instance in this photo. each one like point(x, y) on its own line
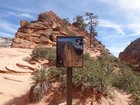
point(69, 51)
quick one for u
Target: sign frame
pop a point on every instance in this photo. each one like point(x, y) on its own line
point(75, 40)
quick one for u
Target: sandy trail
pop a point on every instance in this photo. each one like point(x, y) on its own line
point(17, 82)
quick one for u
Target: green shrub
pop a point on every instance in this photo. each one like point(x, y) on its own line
point(27, 24)
point(95, 43)
point(66, 22)
point(40, 75)
point(41, 52)
point(96, 74)
point(128, 81)
point(57, 74)
point(69, 32)
point(100, 75)
point(44, 16)
point(40, 85)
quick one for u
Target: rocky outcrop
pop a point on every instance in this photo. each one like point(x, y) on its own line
point(131, 55)
point(5, 42)
point(44, 31)
point(38, 91)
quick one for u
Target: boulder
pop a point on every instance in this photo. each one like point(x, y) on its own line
point(38, 91)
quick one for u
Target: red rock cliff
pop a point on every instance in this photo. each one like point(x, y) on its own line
point(131, 55)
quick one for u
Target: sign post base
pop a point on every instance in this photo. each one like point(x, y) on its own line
point(69, 86)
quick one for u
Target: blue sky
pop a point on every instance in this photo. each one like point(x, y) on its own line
point(119, 20)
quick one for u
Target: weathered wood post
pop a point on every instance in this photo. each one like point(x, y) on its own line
point(69, 86)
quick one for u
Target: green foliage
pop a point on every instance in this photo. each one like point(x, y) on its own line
point(57, 74)
point(40, 52)
point(80, 22)
point(40, 75)
point(100, 75)
point(136, 98)
point(94, 43)
point(92, 22)
point(44, 16)
point(27, 24)
point(65, 21)
point(69, 32)
point(129, 81)
point(96, 74)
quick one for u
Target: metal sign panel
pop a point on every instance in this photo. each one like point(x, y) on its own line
point(69, 51)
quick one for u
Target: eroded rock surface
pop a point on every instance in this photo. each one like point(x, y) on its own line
point(44, 31)
point(131, 55)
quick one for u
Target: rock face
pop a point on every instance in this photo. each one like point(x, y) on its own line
point(44, 31)
point(5, 42)
point(131, 55)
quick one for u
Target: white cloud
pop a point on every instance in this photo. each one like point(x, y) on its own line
point(134, 34)
point(109, 24)
point(133, 5)
point(129, 5)
point(9, 27)
point(129, 9)
point(11, 13)
point(25, 15)
point(135, 27)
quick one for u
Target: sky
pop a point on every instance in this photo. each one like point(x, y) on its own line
point(119, 20)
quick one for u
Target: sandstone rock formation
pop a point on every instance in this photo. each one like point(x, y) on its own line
point(44, 31)
point(131, 55)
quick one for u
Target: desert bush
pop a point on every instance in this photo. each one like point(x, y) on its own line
point(95, 43)
point(57, 74)
point(128, 81)
point(40, 75)
point(69, 32)
point(44, 16)
point(40, 85)
point(66, 22)
point(136, 98)
point(40, 52)
point(27, 24)
point(96, 74)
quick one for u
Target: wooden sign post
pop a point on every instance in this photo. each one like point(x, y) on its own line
point(69, 86)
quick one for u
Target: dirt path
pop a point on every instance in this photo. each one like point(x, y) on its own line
point(14, 80)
